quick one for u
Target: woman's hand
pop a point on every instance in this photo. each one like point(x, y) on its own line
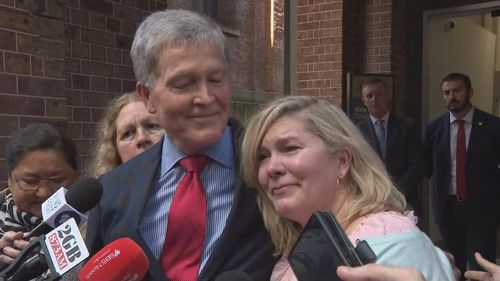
point(456, 271)
point(492, 270)
point(376, 272)
point(11, 244)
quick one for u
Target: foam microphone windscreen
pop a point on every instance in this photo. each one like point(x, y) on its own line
point(121, 259)
point(84, 194)
point(234, 275)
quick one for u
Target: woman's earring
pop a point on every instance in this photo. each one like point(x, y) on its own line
point(338, 181)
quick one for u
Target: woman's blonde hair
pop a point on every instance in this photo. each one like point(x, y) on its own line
point(368, 184)
point(105, 152)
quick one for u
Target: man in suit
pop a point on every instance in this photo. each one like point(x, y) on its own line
point(395, 139)
point(462, 150)
point(180, 63)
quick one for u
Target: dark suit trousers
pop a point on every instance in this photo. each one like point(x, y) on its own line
point(464, 237)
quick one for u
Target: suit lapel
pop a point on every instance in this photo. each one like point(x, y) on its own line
point(445, 139)
point(244, 206)
point(393, 126)
point(476, 132)
point(369, 130)
point(144, 170)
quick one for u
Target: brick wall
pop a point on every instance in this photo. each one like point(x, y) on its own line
point(336, 37)
point(319, 49)
point(62, 61)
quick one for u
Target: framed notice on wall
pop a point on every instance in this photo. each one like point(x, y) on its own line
point(355, 107)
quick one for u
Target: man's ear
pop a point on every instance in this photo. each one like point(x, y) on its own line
point(145, 95)
point(471, 93)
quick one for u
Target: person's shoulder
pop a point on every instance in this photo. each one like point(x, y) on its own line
point(438, 121)
point(364, 124)
point(138, 164)
point(480, 114)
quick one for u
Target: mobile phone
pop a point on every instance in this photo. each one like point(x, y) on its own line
point(322, 247)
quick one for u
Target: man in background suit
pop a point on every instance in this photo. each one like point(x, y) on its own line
point(395, 139)
point(462, 150)
point(180, 63)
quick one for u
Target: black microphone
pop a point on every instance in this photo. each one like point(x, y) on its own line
point(81, 197)
point(62, 249)
point(234, 275)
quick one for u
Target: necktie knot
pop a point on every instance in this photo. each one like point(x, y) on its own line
point(460, 122)
point(194, 163)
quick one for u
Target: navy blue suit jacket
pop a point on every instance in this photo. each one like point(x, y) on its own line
point(482, 165)
point(244, 244)
point(404, 160)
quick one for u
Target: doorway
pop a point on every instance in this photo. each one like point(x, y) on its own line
point(462, 39)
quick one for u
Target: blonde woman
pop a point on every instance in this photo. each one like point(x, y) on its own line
point(126, 130)
point(304, 155)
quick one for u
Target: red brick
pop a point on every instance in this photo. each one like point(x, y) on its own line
point(17, 20)
point(55, 107)
point(123, 42)
point(74, 129)
point(73, 97)
point(114, 85)
point(73, 32)
point(96, 68)
point(99, 6)
point(50, 28)
point(124, 72)
point(8, 84)
point(10, 124)
point(72, 65)
point(123, 12)
point(41, 46)
point(79, 17)
point(98, 99)
point(98, 21)
point(81, 114)
point(114, 56)
point(54, 68)
point(98, 53)
point(81, 82)
point(129, 27)
point(80, 50)
point(7, 40)
point(98, 37)
point(41, 86)
point(37, 68)
point(17, 63)
point(19, 105)
point(113, 24)
point(128, 85)
point(126, 59)
point(98, 84)
point(97, 113)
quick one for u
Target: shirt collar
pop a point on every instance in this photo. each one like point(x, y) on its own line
point(217, 151)
point(385, 118)
point(467, 118)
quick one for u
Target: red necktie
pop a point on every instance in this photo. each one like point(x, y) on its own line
point(181, 254)
point(460, 162)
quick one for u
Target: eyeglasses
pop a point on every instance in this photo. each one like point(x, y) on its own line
point(33, 183)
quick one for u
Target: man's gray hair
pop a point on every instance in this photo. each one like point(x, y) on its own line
point(171, 29)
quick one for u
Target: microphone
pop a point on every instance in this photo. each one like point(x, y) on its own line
point(62, 249)
point(62, 205)
point(234, 275)
point(120, 260)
